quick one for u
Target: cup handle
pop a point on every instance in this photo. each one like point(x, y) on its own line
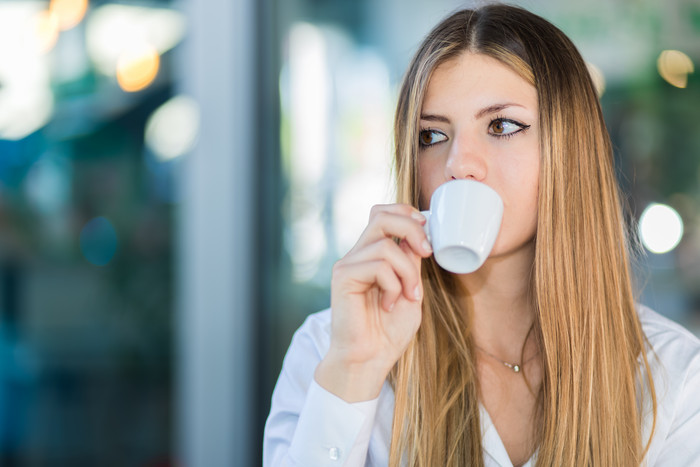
point(426, 226)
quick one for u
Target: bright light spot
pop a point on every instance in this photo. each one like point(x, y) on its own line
point(674, 66)
point(660, 228)
point(68, 12)
point(308, 246)
point(354, 199)
point(364, 106)
point(48, 185)
point(45, 26)
point(23, 110)
point(597, 77)
point(98, 241)
point(172, 129)
point(26, 99)
point(308, 92)
point(112, 29)
point(137, 68)
point(309, 85)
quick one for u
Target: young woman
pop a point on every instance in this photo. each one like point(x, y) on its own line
point(541, 356)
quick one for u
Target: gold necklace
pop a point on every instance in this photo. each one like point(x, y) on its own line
point(516, 367)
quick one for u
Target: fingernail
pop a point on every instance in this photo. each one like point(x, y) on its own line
point(416, 292)
point(427, 247)
point(391, 307)
point(418, 216)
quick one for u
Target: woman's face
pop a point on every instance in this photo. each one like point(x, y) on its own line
point(479, 121)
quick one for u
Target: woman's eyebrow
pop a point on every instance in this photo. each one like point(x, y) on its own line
point(434, 118)
point(494, 108)
point(481, 113)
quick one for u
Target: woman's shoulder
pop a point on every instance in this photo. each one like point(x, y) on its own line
point(674, 361)
point(314, 334)
point(673, 353)
point(667, 337)
point(317, 324)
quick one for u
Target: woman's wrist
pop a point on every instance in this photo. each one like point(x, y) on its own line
point(352, 382)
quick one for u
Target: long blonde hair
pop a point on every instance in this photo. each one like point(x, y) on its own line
point(585, 318)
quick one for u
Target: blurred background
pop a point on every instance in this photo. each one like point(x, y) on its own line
point(177, 179)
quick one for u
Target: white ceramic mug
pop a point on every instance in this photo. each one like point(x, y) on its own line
point(463, 223)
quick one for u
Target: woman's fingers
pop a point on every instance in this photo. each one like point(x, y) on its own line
point(377, 247)
point(400, 259)
point(379, 273)
point(397, 208)
point(368, 273)
point(398, 221)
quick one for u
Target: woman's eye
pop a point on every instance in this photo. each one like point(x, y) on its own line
point(430, 137)
point(505, 127)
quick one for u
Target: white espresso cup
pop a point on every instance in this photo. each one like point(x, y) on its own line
point(463, 223)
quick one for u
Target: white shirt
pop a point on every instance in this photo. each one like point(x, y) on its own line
point(309, 426)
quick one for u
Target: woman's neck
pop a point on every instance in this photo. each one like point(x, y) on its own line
point(499, 295)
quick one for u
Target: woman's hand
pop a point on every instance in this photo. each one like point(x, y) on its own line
point(376, 296)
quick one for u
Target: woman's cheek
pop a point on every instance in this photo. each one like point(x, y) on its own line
point(517, 229)
point(428, 183)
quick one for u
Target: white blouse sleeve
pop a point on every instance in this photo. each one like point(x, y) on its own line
point(308, 425)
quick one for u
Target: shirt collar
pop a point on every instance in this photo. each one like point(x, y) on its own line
point(493, 445)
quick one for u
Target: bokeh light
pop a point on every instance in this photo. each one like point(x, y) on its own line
point(48, 185)
point(137, 68)
point(674, 66)
point(45, 31)
point(308, 103)
point(113, 29)
point(27, 32)
point(597, 77)
point(660, 228)
point(98, 241)
point(172, 129)
point(69, 13)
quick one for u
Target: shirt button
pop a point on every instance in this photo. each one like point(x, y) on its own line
point(334, 454)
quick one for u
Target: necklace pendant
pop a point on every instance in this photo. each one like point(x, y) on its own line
point(516, 368)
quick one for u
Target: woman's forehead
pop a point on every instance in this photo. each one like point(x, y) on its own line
point(473, 81)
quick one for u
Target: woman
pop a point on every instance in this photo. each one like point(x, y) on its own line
point(540, 357)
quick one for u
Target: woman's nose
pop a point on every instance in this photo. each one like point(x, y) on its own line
point(466, 160)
